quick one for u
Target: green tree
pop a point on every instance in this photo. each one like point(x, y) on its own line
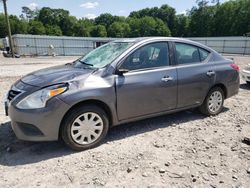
point(165, 13)
point(107, 19)
point(3, 28)
point(241, 23)
point(135, 27)
point(148, 26)
point(59, 17)
point(98, 31)
point(36, 28)
point(182, 26)
point(104, 19)
point(17, 25)
point(29, 14)
point(208, 18)
point(52, 16)
point(232, 18)
point(161, 28)
point(119, 29)
point(67, 25)
point(53, 30)
point(202, 18)
point(168, 15)
point(83, 27)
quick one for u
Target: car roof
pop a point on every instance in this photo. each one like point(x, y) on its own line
point(141, 39)
point(152, 39)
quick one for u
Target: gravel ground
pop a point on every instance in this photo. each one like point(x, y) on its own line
point(184, 149)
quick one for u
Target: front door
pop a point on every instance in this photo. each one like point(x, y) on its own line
point(150, 85)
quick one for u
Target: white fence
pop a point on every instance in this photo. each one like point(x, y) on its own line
point(228, 45)
point(75, 46)
point(39, 45)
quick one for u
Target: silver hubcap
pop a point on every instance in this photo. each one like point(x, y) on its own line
point(215, 101)
point(87, 128)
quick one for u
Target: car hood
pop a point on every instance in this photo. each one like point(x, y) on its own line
point(55, 75)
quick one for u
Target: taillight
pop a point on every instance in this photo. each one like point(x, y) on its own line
point(235, 67)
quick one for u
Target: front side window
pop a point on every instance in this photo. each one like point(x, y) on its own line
point(187, 54)
point(148, 56)
point(104, 55)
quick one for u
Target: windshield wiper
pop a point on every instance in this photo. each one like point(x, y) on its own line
point(85, 63)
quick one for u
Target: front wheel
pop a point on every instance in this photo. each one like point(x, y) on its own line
point(213, 104)
point(85, 127)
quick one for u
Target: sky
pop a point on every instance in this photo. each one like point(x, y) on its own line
point(93, 8)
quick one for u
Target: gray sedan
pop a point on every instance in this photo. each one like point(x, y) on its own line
point(119, 82)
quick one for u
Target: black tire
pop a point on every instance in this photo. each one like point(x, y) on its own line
point(248, 82)
point(204, 108)
point(71, 117)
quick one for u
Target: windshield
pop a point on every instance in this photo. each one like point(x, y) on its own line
point(104, 55)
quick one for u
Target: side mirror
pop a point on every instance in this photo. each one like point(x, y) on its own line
point(122, 71)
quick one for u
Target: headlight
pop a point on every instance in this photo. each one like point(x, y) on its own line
point(39, 98)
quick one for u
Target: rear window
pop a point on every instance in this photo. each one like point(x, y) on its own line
point(187, 54)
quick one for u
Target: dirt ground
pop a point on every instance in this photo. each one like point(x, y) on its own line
point(184, 149)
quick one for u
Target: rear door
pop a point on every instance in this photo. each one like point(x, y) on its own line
point(195, 72)
point(150, 85)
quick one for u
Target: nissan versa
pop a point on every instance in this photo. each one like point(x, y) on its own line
point(122, 81)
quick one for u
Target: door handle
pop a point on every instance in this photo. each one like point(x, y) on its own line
point(167, 79)
point(210, 73)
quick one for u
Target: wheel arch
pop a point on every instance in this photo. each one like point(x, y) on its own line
point(220, 85)
point(204, 107)
point(223, 87)
point(98, 103)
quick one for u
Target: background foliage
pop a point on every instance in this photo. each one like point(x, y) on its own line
point(231, 18)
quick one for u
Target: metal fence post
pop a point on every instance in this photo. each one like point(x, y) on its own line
point(35, 46)
point(245, 49)
point(223, 47)
point(63, 47)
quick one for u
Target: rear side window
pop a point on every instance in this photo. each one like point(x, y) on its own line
point(203, 54)
point(187, 54)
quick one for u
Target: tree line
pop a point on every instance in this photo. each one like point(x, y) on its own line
point(206, 19)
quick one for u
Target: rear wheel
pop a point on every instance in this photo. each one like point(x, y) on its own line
point(85, 127)
point(213, 104)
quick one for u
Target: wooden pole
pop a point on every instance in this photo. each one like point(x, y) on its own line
point(8, 28)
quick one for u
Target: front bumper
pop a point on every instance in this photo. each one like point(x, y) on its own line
point(245, 75)
point(38, 124)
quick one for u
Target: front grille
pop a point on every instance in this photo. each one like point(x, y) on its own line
point(12, 94)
